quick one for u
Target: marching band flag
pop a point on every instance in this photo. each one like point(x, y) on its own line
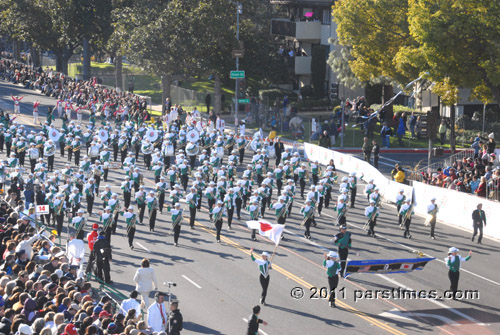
point(267, 229)
point(386, 266)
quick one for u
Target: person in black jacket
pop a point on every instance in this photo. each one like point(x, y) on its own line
point(6, 323)
point(478, 219)
point(102, 255)
point(278, 148)
point(175, 319)
point(254, 321)
point(376, 153)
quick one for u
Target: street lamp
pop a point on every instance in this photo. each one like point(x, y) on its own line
point(239, 10)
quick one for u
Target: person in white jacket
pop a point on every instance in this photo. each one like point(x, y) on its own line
point(26, 244)
point(158, 314)
point(76, 252)
point(145, 280)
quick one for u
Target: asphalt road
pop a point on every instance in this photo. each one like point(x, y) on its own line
point(217, 284)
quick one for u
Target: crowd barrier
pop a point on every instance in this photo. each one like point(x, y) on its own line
point(455, 208)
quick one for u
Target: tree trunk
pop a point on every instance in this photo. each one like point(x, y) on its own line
point(59, 60)
point(166, 81)
point(118, 72)
point(16, 48)
point(35, 56)
point(452, 128)
point(217, 94)
point(86, 60)
point(387, 94)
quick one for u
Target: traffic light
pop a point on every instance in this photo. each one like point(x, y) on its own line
point(242, 88)
point(334, 91)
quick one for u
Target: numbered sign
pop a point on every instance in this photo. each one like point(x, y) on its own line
point(42, 209)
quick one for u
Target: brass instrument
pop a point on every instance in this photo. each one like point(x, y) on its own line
point(107, 223)
point(19, 150)
point(124, 146)
point(131, 224)
point(67, 147)
point(77, 148)
point(178, 219)
point(59, 208)
point(342, 213)
point(80, 226)
point(370, 218)
point(307, 217)
point(218, 216)
point(407, 216)
point(38, 146)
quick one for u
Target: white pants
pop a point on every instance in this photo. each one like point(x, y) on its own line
point(16, 109)
point(145, 298)
point(35, 117)
point(79, 117)
point(68, 113)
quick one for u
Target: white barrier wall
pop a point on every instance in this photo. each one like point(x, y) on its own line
point(348, 163)
point(456, 208)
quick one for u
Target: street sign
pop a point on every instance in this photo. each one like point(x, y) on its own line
point(237, 74)
point(42, 209)
point(238, 53)
point(243, 101)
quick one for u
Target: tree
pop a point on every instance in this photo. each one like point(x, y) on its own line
point(338, 60)
point(375, 32)
point(459, 40)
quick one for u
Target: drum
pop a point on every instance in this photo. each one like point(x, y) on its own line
point(169, 150)
point(193, 136)
point(220, 152)
point(192, 149)
point(271, 152)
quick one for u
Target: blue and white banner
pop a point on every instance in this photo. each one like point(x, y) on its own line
point(386, 266)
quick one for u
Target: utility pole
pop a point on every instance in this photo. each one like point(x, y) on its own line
point(239, 10)
point(342, 134)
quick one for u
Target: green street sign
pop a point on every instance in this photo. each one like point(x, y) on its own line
point(243, 101)
point(237, 74)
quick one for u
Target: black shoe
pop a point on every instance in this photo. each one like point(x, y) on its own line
point(192, 227)
point(254, 239)
point(433, 237)
point(176, 245)
point(132, 247)
point(110, 282)
point(479, 243)
point(472, 239)
point(218, 241)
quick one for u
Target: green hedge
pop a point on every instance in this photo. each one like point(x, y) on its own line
point(276, 93)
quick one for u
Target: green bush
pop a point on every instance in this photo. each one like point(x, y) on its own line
point(311, 103)
point(306, 91)
point(275, 93)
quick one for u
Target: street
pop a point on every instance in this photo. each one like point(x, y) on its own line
point(217, 284)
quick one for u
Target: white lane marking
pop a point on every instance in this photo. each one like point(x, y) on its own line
point(192, 282)
point(436, 302)
point(386, 164)
point(260, 330)
point(388, 159)
point(143, 247)
point(395, 313)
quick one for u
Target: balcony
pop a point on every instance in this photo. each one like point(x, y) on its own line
point(303, 65)
point(300, 30)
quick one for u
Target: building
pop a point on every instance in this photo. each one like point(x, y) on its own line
point(303, 25)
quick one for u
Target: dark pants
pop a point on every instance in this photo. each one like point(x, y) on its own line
point(375, 161)
point(103, 266)
point(367, 155)
point(77, 158)
point(242, 155)
point(407, 228)
point(433, 226)
point(123, 155)
point(218, 227)
point(279, 185)
point(230, 213)
point(343, 253)
point(328, 196)
point(192, 215)
point(161, 201)
point(353, 196)
point(371, 229)
point(142, 209)
point(131, 234)
point(320, 205)
point(60, 221)
point(302, 183)
point(307, 227)
point(315, 179)
point(264, 282)
point(332, 283)
point(90, 204)
point(238, 201)
point(147, 160)
point(478, 226)
point(126, 198)
point(32, 163)
point(152, 219)
point(210, 204)
point(51, 163)
point(454, 277)
point(177, 232)
point(184, 181)
point(105, 175)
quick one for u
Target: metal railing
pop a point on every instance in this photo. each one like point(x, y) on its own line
point(445, 162)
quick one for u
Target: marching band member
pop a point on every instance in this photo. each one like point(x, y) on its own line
point(308, 211)
point(192, 200)
point(184, 171)
point(177, 217)
point(106, 195)
point(333, 268)
point(343, 241)
point(406, 212)
point(161, 188)
point(241, 142)
point(341, 209)
point(33, 155)
point(210, 194)
point(93, 152)
point(131, 219)
point(372, 212)
point(253, 209)
point(264, 267)
point(353, 187)
point(106, 220)
point(369, 188)
point(230, 203)
point(376, 196)
point(21, 150)
point(136, 179)
point(90, 190)
point(152, 208)
point(59, 207)
point(157, 168)
point(75, 200)
point(76, 146)
point(432, 210)
point(123, 147)
point(217, 214)
point(453, 262)
point(400, 199)
point(147, 150)
point(140, 199)
point(200, 185)
point(313, 196)
point(78, 224)
point(126, 187)
point(315, 171)
point(114, 203)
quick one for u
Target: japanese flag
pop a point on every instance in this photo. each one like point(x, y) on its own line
point(406, 266)
point(271, 231)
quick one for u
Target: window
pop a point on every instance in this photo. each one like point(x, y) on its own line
point(327, 16)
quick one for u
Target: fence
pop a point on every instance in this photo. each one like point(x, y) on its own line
point(448, 161)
